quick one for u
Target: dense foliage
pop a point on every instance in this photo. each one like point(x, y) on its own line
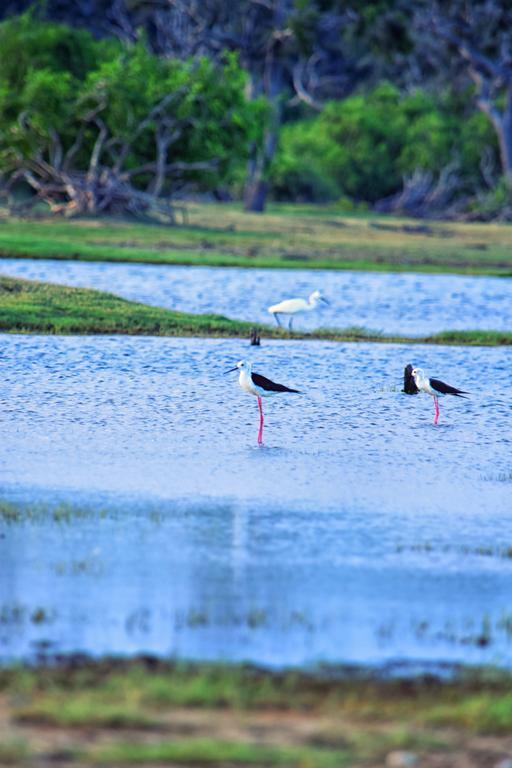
point(404, 106)
point(364, 146)
point(98, 125)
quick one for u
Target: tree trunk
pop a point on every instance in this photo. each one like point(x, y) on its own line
point(503, 128)
point(256, 185)
point(255, 195)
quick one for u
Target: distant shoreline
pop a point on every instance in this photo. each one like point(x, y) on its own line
point(285, 237)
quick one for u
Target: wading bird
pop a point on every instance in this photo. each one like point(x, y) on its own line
point(258, 385)
point(435, 388)
point(293, 307)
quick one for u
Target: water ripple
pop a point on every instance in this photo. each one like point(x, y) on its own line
point(395, 303)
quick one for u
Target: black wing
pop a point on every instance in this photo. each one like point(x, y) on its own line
point(446, 389)
point(270, 386)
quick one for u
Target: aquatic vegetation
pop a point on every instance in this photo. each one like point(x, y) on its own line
point(503, 551)
point(37, 512)
point(90, 566)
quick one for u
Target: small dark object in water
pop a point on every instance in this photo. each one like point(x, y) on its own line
point(410, 387)
point(255, 338)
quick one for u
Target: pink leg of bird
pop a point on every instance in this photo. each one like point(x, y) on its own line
point(260, 433)
point(436, 403)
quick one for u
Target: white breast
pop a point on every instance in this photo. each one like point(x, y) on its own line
point(246, 382)
point(424, 385)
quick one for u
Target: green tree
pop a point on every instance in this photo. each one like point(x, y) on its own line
point(118, 131)
point(364, 146)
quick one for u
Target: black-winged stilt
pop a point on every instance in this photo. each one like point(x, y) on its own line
point(293, 307)
point(435, 388)
point(258, 385)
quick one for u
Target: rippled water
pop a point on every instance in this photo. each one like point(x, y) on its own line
point(408, 304)
point(358, 533)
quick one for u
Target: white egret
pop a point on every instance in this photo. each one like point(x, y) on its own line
point(294, 307)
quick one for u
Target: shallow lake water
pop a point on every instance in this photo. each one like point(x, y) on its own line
point(400, 303)
point(359, 533)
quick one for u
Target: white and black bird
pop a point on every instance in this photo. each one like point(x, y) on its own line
point(292, 307)
point(435, 388)
point(255, 384)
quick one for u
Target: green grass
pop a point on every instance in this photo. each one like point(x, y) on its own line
point(13, 752)
point(287, 236)
point(122, 712)
point(119, 693)
point(33, 307)
point(336, 750)
point(213, 752)
point(28, 306)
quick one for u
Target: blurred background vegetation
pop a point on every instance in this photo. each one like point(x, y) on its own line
point(122, 106)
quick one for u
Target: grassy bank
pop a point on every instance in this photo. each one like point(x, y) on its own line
point(28, 306)
point(154, 713)
point(286, 236)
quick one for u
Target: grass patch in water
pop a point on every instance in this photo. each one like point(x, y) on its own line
point(502, 551)
point(21, 512)
point(28, 306)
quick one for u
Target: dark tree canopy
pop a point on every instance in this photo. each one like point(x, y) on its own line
point(473, 39)
point(323, 124)
point(291, 49)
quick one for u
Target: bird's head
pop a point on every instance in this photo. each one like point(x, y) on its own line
point(316, 296)
point(242, 365)
point(417, 373)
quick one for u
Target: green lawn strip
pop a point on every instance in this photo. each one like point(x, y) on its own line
point(112, 693)
point(83, 709)
point(357, 748)
point(212, 752)
point(28, 306)
point(312, 237)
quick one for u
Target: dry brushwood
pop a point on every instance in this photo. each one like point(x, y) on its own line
point(108, 184)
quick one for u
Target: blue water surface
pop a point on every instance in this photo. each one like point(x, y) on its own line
point(359, 533)
point(400, 303)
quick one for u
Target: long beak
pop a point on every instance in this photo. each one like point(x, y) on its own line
point(231, 370)
point(324, 300)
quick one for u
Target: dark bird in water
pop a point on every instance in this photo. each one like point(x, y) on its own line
point(410, 387)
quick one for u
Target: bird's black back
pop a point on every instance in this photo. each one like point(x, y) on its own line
point(446, 389)
point(410, 387)
point(270, 386)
